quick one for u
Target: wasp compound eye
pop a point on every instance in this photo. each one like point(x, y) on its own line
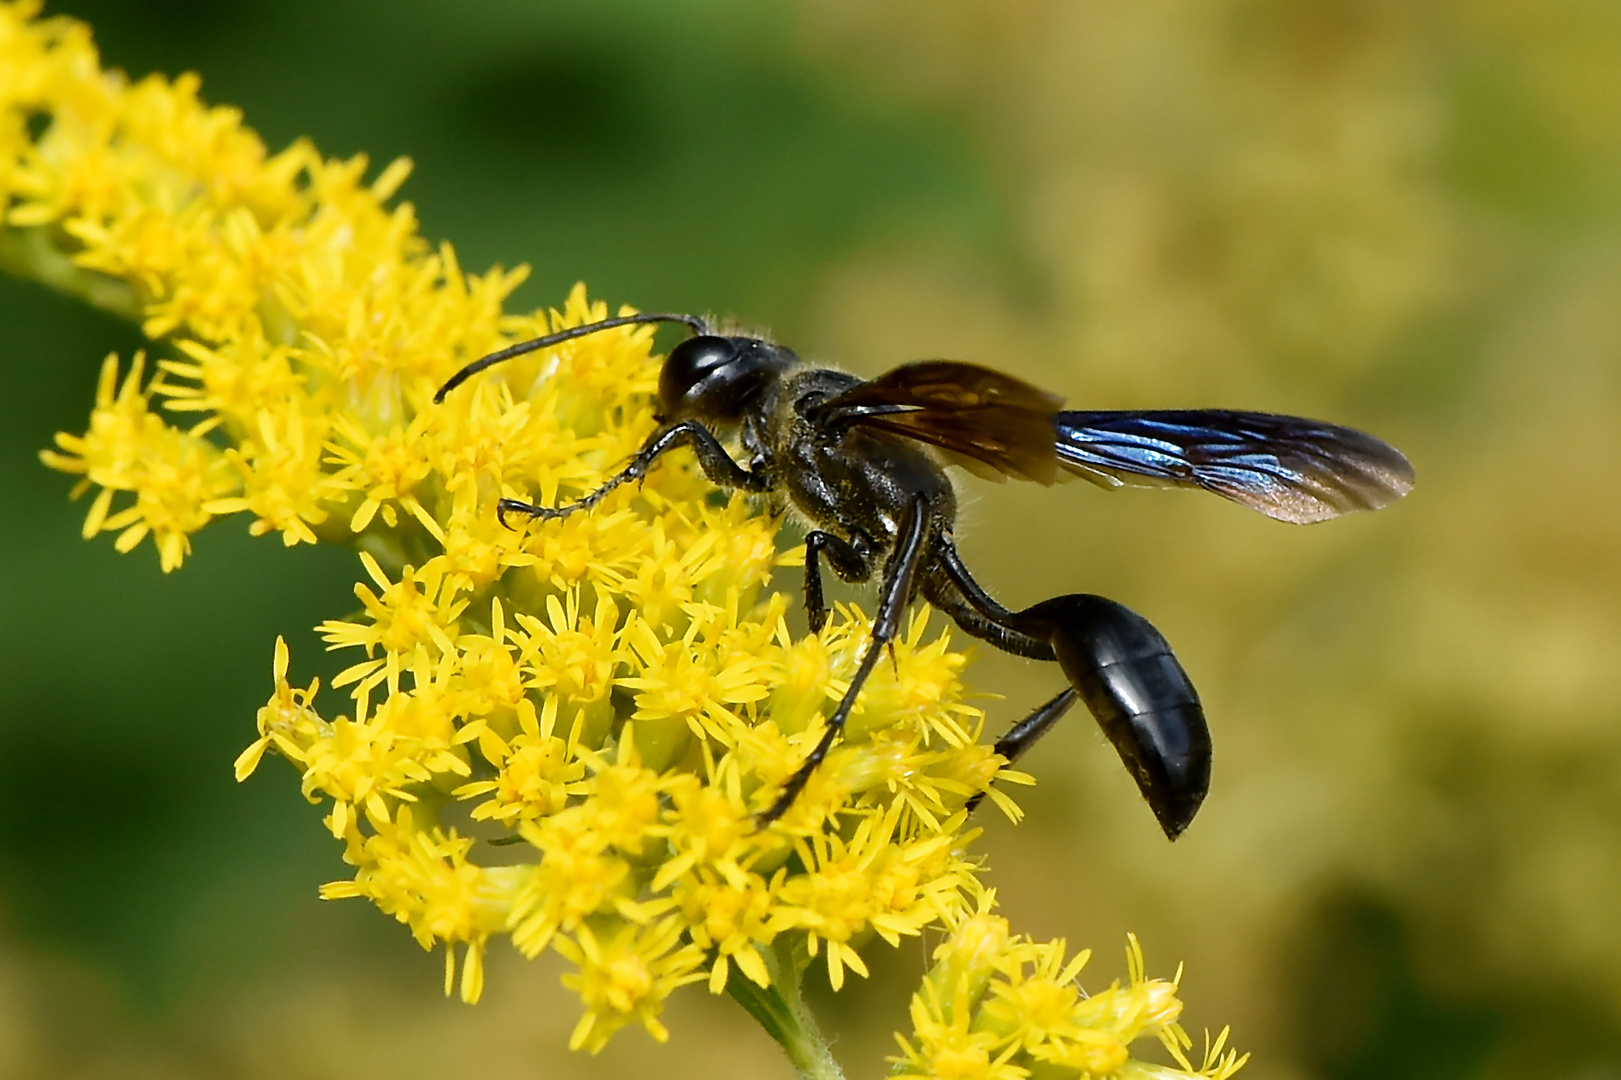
point(688, 364)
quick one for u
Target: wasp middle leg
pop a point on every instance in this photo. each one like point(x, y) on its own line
point(852, 562)
point(900, 579)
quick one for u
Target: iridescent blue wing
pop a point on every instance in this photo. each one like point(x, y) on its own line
point(1286, 467)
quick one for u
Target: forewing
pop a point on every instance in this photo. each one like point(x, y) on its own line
point(1286, 467)
point(966, 409)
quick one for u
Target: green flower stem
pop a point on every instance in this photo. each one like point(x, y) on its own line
point(29, 253)
point(781, 1010)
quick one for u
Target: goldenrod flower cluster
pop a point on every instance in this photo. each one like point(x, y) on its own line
point(999, 1005)
point(559, 733)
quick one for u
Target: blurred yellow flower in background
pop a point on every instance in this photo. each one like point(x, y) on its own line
point(1407, 217)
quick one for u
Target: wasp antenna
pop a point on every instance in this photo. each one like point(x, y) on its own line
point(693, 322)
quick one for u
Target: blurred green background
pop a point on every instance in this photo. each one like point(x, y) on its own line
point(1402, 217)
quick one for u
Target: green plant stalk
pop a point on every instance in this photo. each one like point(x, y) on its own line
point(781, 1010)
point(30, 253)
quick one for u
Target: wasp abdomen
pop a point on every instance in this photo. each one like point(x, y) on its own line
point(1145, 703)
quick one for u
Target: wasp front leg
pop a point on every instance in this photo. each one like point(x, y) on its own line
point(716, 463)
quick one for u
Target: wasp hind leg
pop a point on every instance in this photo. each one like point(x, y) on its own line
point(1118, 664)
point(1025, 733)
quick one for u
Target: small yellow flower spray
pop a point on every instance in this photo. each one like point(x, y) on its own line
point(561, 733)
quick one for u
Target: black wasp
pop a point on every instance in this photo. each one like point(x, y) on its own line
point(864, 461)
